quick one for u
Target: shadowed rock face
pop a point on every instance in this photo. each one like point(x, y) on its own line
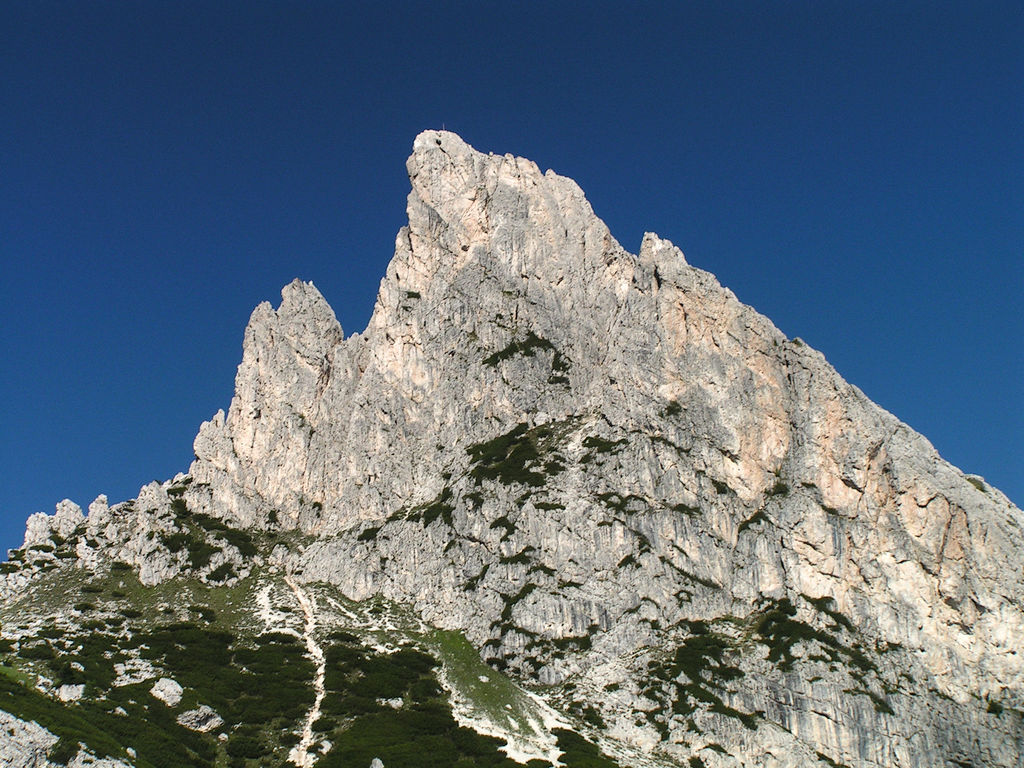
point(620, 481)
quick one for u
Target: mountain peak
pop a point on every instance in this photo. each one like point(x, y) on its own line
point(443, 167)
point(677, 531)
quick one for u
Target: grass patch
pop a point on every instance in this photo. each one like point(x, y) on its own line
point(423, 731)
point(159, 741)
point(577, 752)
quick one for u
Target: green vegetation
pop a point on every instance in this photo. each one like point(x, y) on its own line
point(527, 348)
point(829, 761)
point(472, 583)
point(672, 409)
point(703, 659)
point(234, 678)
point(378, 704)
point(598, 446)
point(439, 507)
point(686, 509)
point(506, 524)
point(200, 552)
point(149, 727)
point(63, 751)
point(193, 534)
point(548, 506)
point(977, 483)
point(520, 558)
point(70, 726)
point(630, 503)
point(512, 600)
point(222, 572)
point(826, 605)
point(240, 540)
point(757, 517)
point(261, 689)
point(721, 487)
point(777, 628)
point(572, 642)
point(577, 752)
point(559, 367)
point(517, 457)
point(421, 733)
point(368, 534)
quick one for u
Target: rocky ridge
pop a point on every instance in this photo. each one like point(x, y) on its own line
point(628, 490)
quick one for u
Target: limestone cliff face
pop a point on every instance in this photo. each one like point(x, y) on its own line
point(589, 460)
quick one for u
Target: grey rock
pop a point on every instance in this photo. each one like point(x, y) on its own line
point(585, 459)
point(25, 744)
point(167, 690)
point(202, 719)
point(70, 692)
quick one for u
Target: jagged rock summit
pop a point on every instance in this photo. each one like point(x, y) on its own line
point(631, 493)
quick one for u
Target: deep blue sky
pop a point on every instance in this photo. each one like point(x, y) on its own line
point(853, 170)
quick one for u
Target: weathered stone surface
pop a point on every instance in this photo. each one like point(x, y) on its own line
point(167, 690)
point(70, 692)
point(202, 719)
point(586, 459)
point(25, 744)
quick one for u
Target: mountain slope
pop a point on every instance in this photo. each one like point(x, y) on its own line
point(630, 492)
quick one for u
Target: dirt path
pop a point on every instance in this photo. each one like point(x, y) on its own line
point(300, 754)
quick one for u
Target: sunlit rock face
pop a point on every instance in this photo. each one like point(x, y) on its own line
point(621, 482)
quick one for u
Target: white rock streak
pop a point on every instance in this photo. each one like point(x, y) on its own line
point(300, 754)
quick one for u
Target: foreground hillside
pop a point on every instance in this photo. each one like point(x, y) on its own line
point(557, 502)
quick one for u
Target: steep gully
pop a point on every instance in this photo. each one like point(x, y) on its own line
point(300, 754)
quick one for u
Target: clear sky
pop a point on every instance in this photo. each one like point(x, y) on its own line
point(854, 170)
